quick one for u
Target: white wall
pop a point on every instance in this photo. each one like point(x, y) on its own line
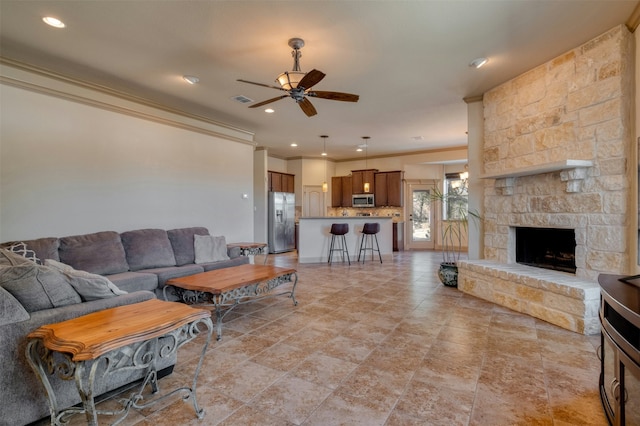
point(260, 199)
point(70, 168)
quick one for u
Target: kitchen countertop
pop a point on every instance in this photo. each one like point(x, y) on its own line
point(314, 236)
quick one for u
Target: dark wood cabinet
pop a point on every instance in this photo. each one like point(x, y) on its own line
point(341, 191)
point(281, 182)
point(388, 189)
point(620, 349)
point(359, 177)
point(398, 236)
point(288, 183)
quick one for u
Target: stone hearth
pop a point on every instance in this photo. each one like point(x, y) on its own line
point(556, 297)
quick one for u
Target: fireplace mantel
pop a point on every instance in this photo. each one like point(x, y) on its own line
point(572, 171)
point(539, 169)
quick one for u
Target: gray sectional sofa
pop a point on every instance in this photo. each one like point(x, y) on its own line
point(138, 262)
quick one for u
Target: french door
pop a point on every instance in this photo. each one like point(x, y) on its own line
point(420, 227)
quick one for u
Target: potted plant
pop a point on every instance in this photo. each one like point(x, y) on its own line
point(453, 229)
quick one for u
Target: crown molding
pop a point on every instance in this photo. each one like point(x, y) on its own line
point(28, 77)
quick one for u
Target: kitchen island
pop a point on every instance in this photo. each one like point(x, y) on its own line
point(315, 238)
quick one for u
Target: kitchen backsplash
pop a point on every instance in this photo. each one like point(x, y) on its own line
point(396, 213)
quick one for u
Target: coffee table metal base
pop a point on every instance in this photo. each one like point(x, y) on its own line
point(226, 301)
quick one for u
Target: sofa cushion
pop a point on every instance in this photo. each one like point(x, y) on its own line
point(89, 286)
point(165, 274)
point(38, 287)
point(10, 309)
point(45, 248)
point(99, 253)
point(134, 281)
point(147, 248)
point(234, 261)
point(209, 248)
point(182, 242)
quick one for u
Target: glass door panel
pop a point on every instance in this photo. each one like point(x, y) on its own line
point(420, 226)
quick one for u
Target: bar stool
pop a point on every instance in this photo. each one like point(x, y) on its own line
point(339, 230)
point(369, 231)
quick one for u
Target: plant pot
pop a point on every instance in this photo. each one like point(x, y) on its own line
point(448, 274)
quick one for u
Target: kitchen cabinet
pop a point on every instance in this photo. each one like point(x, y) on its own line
point(620, 350)
point(388, 189)
point(288, 183)
point(341, 191)
point(359, 177)
point(281, 182)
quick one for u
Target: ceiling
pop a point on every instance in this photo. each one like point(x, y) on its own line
point(408, 60)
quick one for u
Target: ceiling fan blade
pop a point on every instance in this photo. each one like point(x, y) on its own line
point(268, 101)
point(334, 96)
point(261, 84)
point(307, 107)
point(311, 78)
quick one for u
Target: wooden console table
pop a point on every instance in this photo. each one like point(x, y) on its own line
point(229, 287)
point(126, 337)
point(252, 249)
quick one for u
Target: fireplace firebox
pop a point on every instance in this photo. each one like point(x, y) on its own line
point(548, 248)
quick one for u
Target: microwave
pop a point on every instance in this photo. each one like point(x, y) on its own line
point(362, 200)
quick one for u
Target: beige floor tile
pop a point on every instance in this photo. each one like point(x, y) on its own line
point(382, 344)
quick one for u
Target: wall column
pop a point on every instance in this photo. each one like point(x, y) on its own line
point(475, 137)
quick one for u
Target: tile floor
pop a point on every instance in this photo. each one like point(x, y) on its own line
point(384, 344)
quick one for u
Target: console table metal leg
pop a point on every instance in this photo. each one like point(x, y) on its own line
point(145, 356)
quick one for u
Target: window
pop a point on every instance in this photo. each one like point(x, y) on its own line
point(456, 200)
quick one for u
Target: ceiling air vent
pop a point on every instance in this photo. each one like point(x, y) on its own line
point(242, 99)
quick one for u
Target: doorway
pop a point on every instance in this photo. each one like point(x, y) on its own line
point(313, 201)
point(419, 232)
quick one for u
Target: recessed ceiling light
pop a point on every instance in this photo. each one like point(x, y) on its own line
point(324, 154)
point(54, 22)
point(359, 149)
point(294, 144)
point(478, 62)
point(191, 79)
point(269, 110)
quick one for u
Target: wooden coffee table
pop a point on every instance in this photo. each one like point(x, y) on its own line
point(97, 345)
point(227, 288)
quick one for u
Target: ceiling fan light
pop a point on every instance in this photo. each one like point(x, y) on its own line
point(191, 79)
point(478, 62)
point(54, 22)
point(289, 79)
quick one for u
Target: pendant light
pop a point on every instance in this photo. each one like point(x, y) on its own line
point(325, 187)
point(367, 185)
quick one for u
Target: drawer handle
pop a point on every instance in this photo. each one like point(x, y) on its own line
point(615, 388)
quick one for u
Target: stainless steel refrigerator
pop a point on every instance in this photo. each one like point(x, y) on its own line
point(282, 215)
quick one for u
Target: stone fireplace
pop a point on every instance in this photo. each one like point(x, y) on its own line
point(555, 150)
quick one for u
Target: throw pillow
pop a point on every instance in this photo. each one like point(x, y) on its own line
point(21, 249)
point(89, 286)
point(38, 287)
point(9, 258)
point(209, 248)
point(11, 311)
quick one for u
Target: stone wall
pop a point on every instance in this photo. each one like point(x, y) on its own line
point(577, 106)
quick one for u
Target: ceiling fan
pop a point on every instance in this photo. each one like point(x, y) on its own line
point(298, 84)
